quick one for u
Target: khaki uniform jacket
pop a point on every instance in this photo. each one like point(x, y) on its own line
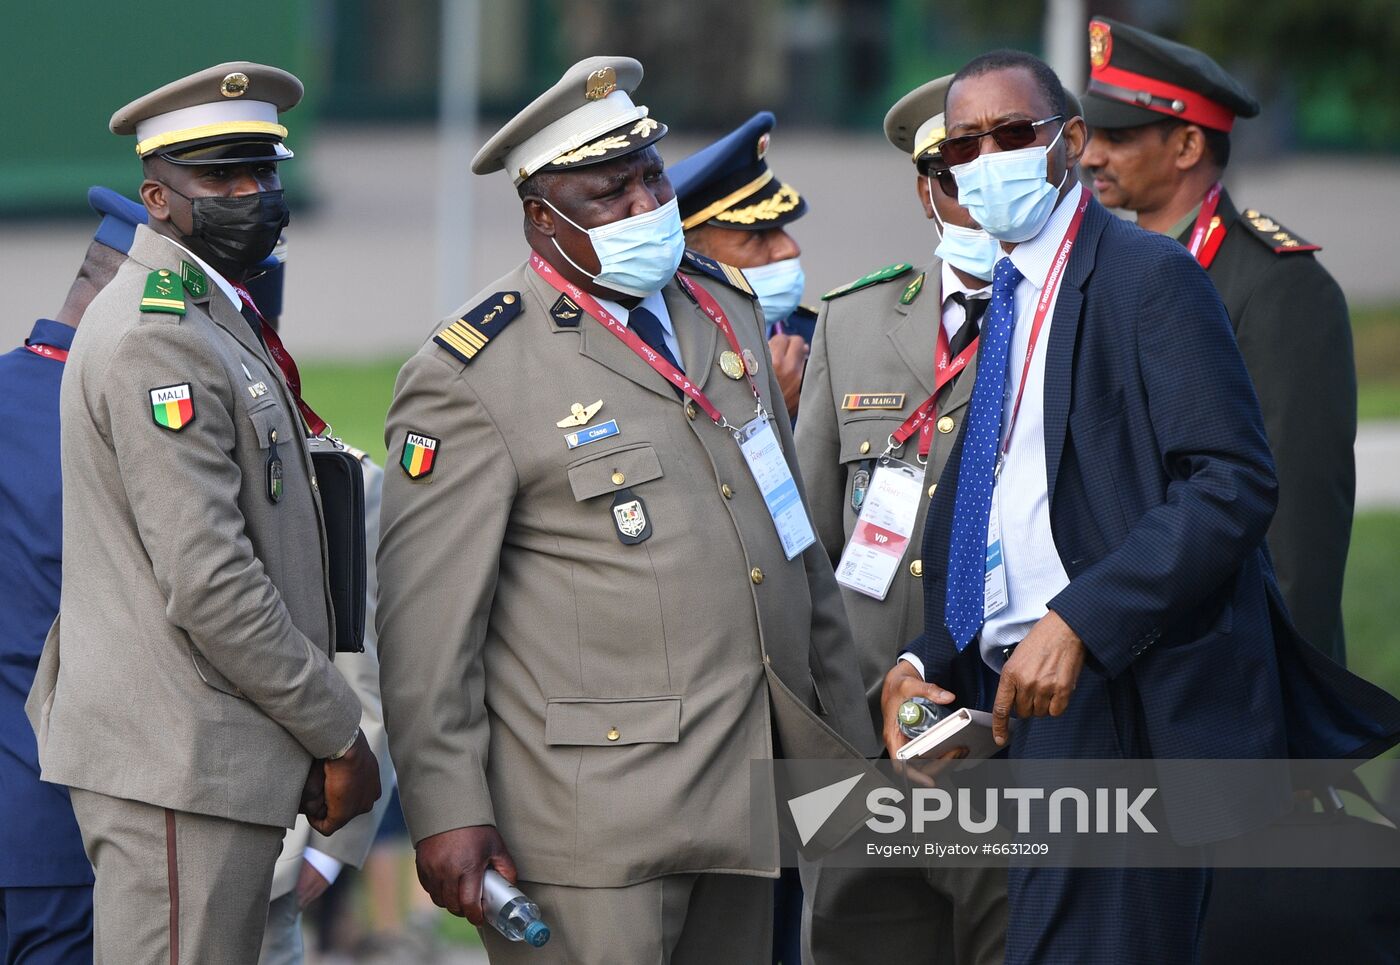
point(868, 343)
point(599, 703)
point(191, 664)
point(350, 845)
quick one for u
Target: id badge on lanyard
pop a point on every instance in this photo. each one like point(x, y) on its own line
point(994, 594)
point(882, 533)
point(759, 444)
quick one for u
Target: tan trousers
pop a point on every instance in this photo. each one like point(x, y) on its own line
point(175, 888)
point(699, 919)
point(920, 916)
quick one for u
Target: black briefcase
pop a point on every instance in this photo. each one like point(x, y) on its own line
point(342, 484)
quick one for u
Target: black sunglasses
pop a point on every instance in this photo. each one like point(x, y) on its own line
point(1009, 137)
point(934, 167)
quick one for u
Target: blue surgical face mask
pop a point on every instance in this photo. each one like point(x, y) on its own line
point(970, 249)
point(778, 286)
point(637, 255)
point(1006, 191)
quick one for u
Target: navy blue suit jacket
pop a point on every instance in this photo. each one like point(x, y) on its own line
point(39, 842)
point(1161, 487)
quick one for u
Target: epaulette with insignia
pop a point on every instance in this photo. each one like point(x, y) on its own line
point(163, 293)
point(695, 263)
point(469, 335)
point(911, 290)
point(1275, 235)
point(888, 273)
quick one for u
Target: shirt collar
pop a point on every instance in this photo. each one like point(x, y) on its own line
point(653, 303)
point(48, 332)
point(953, 284)
point(1189, 221)
point(1032, 258)
point(224, 284)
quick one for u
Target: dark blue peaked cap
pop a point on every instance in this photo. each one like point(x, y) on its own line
point(730, 185)
point(121, 215)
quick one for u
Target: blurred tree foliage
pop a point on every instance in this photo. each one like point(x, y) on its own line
point(1338, 59)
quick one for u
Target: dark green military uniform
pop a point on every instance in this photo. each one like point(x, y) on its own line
point(1289, 316)
point(1295, 335)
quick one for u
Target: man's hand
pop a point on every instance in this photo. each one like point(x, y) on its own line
point(901, 683)
point(310, 885)
point(789, 360)
point(1041, 674)
point(352, 787)
point(452, 864)
point(313, 794)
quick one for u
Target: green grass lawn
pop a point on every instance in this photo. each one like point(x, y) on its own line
point(354, 398)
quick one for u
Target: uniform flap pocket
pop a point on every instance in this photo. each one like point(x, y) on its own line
point(267, 418)
point(607, 472)
point(607, 721)
point(210, 676)
point(866, 436)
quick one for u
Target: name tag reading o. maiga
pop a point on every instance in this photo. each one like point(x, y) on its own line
point(855, 401)
point(604, 430)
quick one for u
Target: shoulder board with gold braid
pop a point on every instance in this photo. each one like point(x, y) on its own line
point(163, 293)
point(695, 263)
point(1273, 234)
point(469, 335)
point(888, 273)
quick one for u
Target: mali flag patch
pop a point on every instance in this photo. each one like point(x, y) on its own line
point(172, 406)
point(419, 455)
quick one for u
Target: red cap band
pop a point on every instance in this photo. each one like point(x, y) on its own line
point(1140, 90)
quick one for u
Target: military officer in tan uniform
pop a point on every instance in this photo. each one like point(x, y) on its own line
point(884, 345)
point(186, 695)
point(590, 622)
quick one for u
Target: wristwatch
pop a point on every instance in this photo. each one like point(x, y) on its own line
point(346, 749)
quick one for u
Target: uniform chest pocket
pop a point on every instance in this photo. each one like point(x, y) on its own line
point(270, 423)
point(865, 437)
point(607, 472)
point(605, 722)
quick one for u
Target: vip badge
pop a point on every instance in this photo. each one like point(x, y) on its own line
point(172, 406)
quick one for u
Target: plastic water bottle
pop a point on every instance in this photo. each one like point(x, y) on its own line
point(918, 714)
point(510, 912)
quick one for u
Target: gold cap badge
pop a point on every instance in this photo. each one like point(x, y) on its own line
point(600, 84)
point(234, 85)
point(1100, 43)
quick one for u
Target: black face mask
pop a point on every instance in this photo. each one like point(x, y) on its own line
point(235, 234)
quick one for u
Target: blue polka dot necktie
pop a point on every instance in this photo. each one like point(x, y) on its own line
point(967, 551)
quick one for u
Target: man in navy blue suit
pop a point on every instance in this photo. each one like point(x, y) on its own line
point(45, 879)
point(1093, 556)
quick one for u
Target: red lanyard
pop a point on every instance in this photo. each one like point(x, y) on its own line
point(1204, 242)
point(47, 351)
point(922, 418)
point(1042, 308)
point(285, 362)
point(634, 341)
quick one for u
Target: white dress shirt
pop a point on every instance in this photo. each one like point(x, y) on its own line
point(655, 304)
point(1034, 573)
point(955, 314)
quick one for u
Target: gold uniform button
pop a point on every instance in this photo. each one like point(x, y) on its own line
point(690, 411)
point(756, 575)
point(618, 478)
point(614, 734)
point(865, 447)
point(945, 424)
point(728, 493)
point(932, 489)
point(916, 568)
